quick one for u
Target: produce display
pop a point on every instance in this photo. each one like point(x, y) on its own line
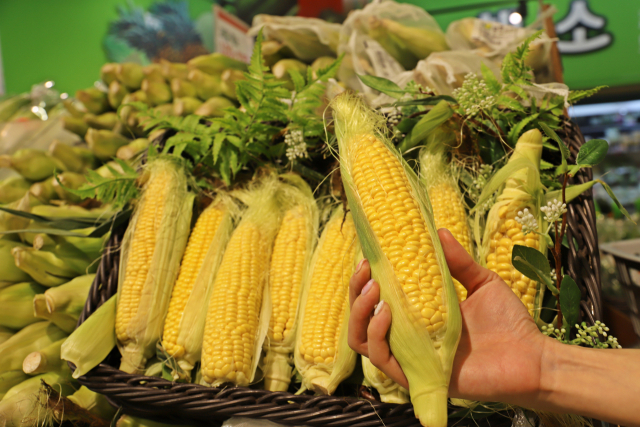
point(250, 192)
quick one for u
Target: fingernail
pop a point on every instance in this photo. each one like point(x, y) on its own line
point(360, 264)
point(378, 307)
point(367, 287)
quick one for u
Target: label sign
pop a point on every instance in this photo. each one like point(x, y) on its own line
point(231, 37)
point(383, 64)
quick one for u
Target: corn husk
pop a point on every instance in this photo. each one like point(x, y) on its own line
point(32, 338)
point(278, 363)
point(16, 305)
point(207, 86)
point(282, 69)
point(70, 297)
point(157, 92)
point(324, 378)
point(10, 273)
point(45, 360)
point(88, 345)
point(70, 180)
point(5, 334)
point(182, 88)
point(10, 379)
point(93, 99)
point(63, 321)
point(129, 74)
point(13, 188)
point(75, 125)
point(390, 391)
point(215, 63)
point(228, 82)
point(185, 106)
point(48, 268)
point(145, 328)
point(264, 213)
point(519, 187)
point(75, 159)
point(93, 402)
point(214, 107)
point(191, 326)
point(172, 70)
point(129, 421)
point(32, 164)
point(426, 362)
point(135, 147)
point(105, 143)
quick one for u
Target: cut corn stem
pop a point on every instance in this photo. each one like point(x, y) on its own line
point(64, 321)
point(290, 261)
point(45, 360)
point(32, 338)
point(322, 355)
point(88, 345)
point(184, 325)
point(70, 297)
point(394, 220)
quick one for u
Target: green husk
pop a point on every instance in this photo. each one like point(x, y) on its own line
point(5, 334)
point(45, 360)
point(10, 272)
point(49, 269)
point(16, 305)
point(10, 106)
point(185, 106)
point(63, 321)
point(207, 86)
point(172, 70)
point(215, 63)
point(130, 74)
point(390, 391)
point(105, 143)
point(32, 164)
point(10, 379)
point(88, 345)
point(133, 148)
point(182, 88)
point(117, 93)
point(214, 107)
point(75, 159)
point(13, 188)
point(44, 191)
point(70, 297)
point(75, 125)
point(191, 325)
point(32, 338)
point(321, 377)
point(70, 180)
point(153, 71)
point(157, 92)
point(105, 121)
point(93, 402)
point(278, 362)
point(128, 421)
point(94, 100)
point(427, 363)
point(282, 68)
point(145, 328)
point(108, 73)
point(228, 82)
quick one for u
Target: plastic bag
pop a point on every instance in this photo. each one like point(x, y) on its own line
point(494, 40)
point(445, 71)
point(307, 38)
point(385, 39)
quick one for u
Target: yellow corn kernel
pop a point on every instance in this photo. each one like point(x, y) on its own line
point(141, 252)
point(234, 309)
point(328, 292)
point(397, 222)
point(506, 233)
point(287, 265)
point(199, 242)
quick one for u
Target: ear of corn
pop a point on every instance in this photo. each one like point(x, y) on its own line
point(290, 260)
point(70, 297)
point(31, 338)
point(13, 188)
point(520, 179)
point(16, 305)
point(239, 308)
point(322, 354)
point(88, 345)
point(93, 402)
point(390, 391)
point(394, 220)
point(184, 325)
point(63, 321)
point(10, 272)
point(446, 199)
point(45, 360)
point(151, 251)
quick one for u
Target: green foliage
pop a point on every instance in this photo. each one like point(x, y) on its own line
point(569, 300)
point(577, 95)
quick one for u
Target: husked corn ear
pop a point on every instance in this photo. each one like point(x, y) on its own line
point(390, 391)
point(184, 325)
point(236, 322)
point(152, 248)
point(394, 220)
point(292, 252)
point(502, 231)
point(322, 355)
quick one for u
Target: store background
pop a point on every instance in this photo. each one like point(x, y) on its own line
point(68, 41)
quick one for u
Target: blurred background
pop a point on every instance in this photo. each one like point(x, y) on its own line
point(599, 42)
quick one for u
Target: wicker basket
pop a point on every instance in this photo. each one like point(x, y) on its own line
point(171, 402)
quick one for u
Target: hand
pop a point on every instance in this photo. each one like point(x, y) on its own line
point(500, 352)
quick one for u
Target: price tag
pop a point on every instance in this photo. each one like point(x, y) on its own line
point(383, 64)
point(496, 35)
point(231, 37)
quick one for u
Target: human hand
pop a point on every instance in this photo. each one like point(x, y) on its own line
point(500, 351)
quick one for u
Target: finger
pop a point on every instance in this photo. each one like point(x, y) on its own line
point(462, 266)
point(361, 312)
point(379, 351)
point(360, 278)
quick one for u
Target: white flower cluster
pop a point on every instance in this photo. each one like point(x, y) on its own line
point(554, 211)
point(527, 220)
point(480, 181)
point(296, 147)
point(553, 275)
point(394, 116)
point(586, 335)
point(474, 95)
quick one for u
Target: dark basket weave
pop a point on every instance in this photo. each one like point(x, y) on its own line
point(178, 403)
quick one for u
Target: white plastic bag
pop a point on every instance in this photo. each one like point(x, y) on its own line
point(307, 38)
point(445, 71)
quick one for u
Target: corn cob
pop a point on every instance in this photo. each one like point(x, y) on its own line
point(184, 325)
point(16, 305)
point(237, 316)
point(228, 82)
point(31, 338)
point(182, 88)
point(390, 391)
point(292, 252)
point(151, 251)
point(395, 226)
point(153, 72)
point(322, 355)
point(446, 199)
point(502, 231)
point(92, 341)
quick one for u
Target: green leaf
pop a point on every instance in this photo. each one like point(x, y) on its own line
point(383, 85)
point(434, 118)
point(217, 145)
point(544, 165)
point(564, 150)
point(429, 100)
point(120, 218)
point(573, 170)
point(614, 198)
point(570, 300)
point(330, 71)
point(515, 131)
point(298, 80)
point(508, 102)
point(533, 264)
point(490, 79)
point(577, 95)
point(592, 152)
